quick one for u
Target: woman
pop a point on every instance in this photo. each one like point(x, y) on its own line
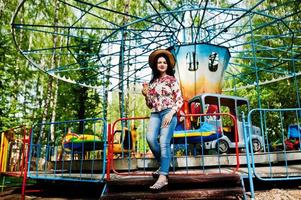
point(164, 97)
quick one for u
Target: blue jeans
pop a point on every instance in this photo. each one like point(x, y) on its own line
point(161, 149)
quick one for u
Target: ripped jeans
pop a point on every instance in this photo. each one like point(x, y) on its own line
point(161, 149)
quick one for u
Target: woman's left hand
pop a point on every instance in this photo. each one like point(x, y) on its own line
point(167, 118)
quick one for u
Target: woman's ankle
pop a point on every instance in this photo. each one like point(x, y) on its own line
point(162, 178)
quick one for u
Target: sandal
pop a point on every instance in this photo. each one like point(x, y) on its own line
point(159, 186)
point(156, 173)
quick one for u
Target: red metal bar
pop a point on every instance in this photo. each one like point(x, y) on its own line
point(110, 149)
point(233, 118)
point(24, 149)
point(236, 143)
point(26, 166)
point(112, 138)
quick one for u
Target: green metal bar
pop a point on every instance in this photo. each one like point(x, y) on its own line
point(252, 8)
point(261, 26)
point(200, 23)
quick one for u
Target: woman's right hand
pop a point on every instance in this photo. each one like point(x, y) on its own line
point(145, 89)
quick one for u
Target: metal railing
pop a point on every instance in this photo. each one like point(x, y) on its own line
point(70, 150)
point(280, 160)
point(130, 155)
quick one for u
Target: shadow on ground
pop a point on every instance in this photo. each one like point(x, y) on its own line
point(55, 190)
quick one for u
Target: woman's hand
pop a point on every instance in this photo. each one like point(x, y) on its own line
point(145, 89)
point(167, 118)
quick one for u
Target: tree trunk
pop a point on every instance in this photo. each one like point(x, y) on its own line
point(121, 63)
point(54, 62)
point(83, 96)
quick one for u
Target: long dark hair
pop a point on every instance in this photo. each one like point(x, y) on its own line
point(156, 74)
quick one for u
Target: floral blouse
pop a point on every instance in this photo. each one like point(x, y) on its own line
point(164, 93)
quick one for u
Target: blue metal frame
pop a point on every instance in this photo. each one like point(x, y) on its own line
point(54, 176)
point(163, 26)
point(249, 147)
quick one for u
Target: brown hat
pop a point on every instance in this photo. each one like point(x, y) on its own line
point(154, 55)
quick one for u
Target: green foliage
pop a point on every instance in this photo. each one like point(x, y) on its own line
point(13, 73)
point(273, 41)
point(24, 89)
point(137, 106)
